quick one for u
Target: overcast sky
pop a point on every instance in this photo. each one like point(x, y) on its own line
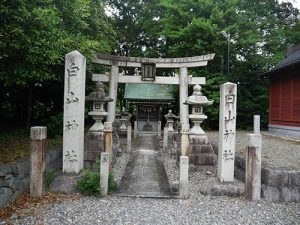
point(296, 3)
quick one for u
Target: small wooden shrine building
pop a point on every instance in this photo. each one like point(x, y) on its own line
point(284, 109)
point(149, 100)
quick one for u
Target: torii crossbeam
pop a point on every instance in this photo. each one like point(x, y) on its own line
point(183, 80)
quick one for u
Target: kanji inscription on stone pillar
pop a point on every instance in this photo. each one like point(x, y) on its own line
point(74, 95)
point(227, 132)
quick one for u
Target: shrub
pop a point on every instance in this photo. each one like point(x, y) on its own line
point(89, 183)
point(112, 184)
point(50, 177)
point(54, 125)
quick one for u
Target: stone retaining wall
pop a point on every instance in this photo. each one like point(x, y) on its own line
point(14, 176)
point(278, 184)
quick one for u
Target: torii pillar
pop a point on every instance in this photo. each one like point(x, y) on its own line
point(113, 90)
point(183, 95)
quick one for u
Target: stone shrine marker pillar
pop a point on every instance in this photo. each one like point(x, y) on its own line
point(184, 177)
point(74, 99)
point(108, 142)
point(104, 173)
point(227, 132)
point(38, 143)
point(256, 124)
point(253, 167)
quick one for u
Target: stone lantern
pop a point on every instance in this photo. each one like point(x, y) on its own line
point(125, 116)
point(170, 120)
point(201, 151)
point(98, 113)
point(197, 101)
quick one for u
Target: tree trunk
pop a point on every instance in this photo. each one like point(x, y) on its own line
point(29, 107)
point(222, 66)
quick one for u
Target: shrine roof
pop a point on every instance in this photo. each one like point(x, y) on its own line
point(291, 61)
point(156, 92)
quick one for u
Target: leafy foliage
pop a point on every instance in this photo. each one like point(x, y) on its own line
point(54, 125)
point(50, 177)
point(15, 144)
point(89, 183)
point(260, 31)
point(112, 184)
point(35, 36)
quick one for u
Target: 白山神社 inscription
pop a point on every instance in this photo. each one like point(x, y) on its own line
point(227, 129)
point(73, 130)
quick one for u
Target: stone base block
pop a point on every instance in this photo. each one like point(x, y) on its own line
point(214, 187)
point(91, 155)
point(92, 148)
point(199, 139)
point(203, 159)
point(63, 183)
point(285, 194)
point(270, 194)
point(239, 174)
point(201, 151)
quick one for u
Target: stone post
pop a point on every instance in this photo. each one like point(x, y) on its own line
point(185, 143)
point(104, 171)
point(253, 167)
point(159, 128)
point(165, 140)
point(129, 138)
point(227, 129)
point(74, 100)
point(107, 136)
point(256, 124)
point(135, 131)
point(184, 177)
point(183, 95)
point(113, 90)
point(38, 136)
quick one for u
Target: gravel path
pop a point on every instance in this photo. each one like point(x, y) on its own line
point(144, 174)
point(198, 209)
point(276, 152)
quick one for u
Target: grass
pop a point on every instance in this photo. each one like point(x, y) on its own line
point(50, 176)
point(15, 144)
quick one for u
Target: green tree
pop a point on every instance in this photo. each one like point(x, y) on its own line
point(260, 32)
point(35, 36)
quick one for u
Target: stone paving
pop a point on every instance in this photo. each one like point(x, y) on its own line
point(145, 174)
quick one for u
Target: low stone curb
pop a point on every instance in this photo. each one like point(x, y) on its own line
point(14, 176)
point(278, 184)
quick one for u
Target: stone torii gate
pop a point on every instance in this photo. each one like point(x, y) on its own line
point(74, 93)
point(183, 80)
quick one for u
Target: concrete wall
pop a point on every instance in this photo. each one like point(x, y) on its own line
point(14, 176)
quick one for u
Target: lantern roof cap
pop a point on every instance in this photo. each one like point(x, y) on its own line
point(197, 98)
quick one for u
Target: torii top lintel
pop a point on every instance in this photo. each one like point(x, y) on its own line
point(195, 61)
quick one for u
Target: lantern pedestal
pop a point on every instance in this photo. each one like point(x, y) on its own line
point(98, 117)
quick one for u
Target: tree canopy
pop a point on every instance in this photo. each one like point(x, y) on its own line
point(260, 32)
point(35, 36)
